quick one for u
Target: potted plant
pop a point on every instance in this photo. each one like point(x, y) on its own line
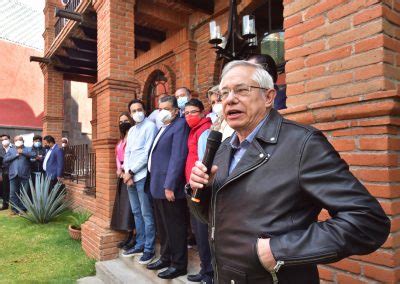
point(77, 219)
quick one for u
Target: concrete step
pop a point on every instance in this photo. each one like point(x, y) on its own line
point(90, 280)
point(127, 270)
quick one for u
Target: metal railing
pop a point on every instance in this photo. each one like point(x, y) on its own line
point(80, 165)
point(61, 22)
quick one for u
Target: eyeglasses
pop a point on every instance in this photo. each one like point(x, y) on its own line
point(191, 112)
point(240, 91)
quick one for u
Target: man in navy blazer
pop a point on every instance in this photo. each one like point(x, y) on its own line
point(19, 171)
point(167, 179)
point(53, 163)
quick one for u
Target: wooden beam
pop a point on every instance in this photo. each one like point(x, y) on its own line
point(142, 45)
point(159, 17)
point(44, 60)
point(76, 62)
point(80, 54)
point(150, 33)
point(206, 6)
point(89, 32)
point(77, 17)
point(75, 70)
point(88, 45)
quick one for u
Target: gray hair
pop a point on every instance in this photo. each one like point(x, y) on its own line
point(260, 75)
point(170, 99)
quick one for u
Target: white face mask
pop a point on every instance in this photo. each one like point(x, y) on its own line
point(19, 143)
point(182, 102)
point(63, 145)
point(5, 143)
point(138, 116)
point(217, 109)
point(164, 116)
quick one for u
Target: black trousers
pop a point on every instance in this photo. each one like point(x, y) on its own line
point(5, 189)
point(172, 231)
point(201, 233)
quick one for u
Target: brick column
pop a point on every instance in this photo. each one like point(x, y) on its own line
point(53, 80)
point(111, 94)
point(50, 20)
point(343, 77)
point(53, 103)
point(185, 64)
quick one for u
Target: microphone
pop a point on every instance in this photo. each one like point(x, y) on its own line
point(213, 142)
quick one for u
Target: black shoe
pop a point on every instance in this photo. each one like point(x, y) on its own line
point(195, 277)
point(207, 279)
point(171, 273)
point(132, 252)
point(157, 265)
point(129, 245)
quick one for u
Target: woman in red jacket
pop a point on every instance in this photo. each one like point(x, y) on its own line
point(199, 129)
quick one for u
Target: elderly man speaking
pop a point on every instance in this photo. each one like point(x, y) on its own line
point(269, 183)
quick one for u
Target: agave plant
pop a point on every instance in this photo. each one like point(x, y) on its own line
point(45, 204)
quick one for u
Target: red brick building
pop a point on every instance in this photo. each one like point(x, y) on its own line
point(342, 75)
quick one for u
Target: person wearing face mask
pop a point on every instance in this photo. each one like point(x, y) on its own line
point(53, 163)
point(182, 95)
point(37, 161)
point(167, 178)
point(4, 178)
point(122, 217)
point(139, 141)
point(197, 141)
point(64, 142)
point(217, 118)
point(153, 116)
point(18, 160)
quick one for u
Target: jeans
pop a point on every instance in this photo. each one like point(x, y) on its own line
point(143, 214)
point(16, 190)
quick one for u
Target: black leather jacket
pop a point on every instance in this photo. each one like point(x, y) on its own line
point(277, 190)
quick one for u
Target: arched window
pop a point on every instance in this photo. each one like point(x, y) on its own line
point(158, 87)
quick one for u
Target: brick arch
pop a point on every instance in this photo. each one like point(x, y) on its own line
point(169, 74)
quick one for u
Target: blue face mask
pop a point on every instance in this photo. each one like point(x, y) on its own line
point(182, 102)
point(37, 144)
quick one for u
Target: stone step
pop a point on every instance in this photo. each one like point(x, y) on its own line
point(127, 270)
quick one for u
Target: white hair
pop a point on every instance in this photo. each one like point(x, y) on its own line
point(260, 75)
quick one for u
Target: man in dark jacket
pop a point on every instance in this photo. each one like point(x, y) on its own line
point(37, 161)
point(53, 163)
point(19, 172)
point(167, 169)
point(270, 182)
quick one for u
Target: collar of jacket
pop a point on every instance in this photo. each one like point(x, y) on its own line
point(269, 132)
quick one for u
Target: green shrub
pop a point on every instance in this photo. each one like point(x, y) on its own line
point(78, 218)
point(45, 204)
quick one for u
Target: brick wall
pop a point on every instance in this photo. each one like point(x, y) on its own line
point(80, 200)
point(343, 77)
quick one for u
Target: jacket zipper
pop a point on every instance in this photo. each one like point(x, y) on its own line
point(305, 260)
point(214, 201)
